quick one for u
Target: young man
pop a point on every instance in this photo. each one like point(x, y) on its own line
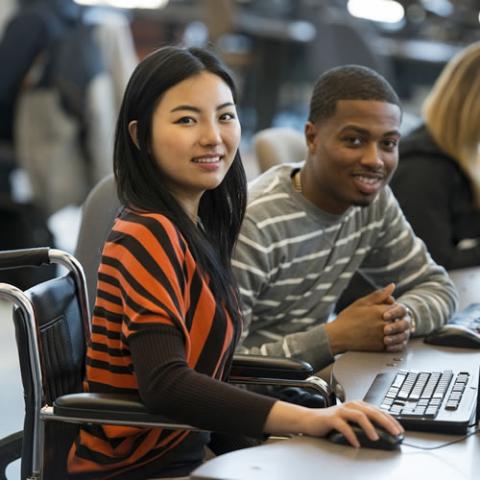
point(309, 227)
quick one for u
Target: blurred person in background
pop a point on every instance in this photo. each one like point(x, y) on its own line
point(25, 34)
point(437, 182)
point(28, 33)
point(30, 30)
point(59, 95)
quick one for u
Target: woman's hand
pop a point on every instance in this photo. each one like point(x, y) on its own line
point(339, 417)
point(288, 418)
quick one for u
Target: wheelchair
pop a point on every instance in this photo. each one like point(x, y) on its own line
point(52, 327)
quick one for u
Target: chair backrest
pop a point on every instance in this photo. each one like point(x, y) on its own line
point(51, 328)
point(61, 342)
point(277, 145)
point(62, 339)
point(98, 214)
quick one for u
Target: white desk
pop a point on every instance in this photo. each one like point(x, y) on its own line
point(467, 281)
point(303, 458)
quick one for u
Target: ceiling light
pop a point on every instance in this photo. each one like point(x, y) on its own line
point(125, 3)
point(387, 11)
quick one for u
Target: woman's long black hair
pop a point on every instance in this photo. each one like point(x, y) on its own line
point(141, 185)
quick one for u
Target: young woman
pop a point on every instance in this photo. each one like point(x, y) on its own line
point(166, 320)
point(437, 182)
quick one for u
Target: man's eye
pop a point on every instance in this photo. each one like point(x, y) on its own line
point(390, 144)
point(353, 141)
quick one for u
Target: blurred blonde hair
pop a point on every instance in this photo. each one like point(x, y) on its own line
point(452, 112)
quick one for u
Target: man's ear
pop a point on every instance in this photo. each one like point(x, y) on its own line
point(133, 130)
point(310, 136)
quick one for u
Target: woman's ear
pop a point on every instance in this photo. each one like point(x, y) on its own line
point(133, 130)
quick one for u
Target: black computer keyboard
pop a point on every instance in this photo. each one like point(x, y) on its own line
point(443, 401)
point(420, 394)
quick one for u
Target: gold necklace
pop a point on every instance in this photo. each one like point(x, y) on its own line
point(297, 181)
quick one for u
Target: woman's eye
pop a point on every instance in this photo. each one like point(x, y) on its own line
point(185, 120)
point(227, 116)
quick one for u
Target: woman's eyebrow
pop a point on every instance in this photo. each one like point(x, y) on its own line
point(191, 108)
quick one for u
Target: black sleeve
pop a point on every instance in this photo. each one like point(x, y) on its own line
point(169, 386)
point(423, 187)
point(24, 38)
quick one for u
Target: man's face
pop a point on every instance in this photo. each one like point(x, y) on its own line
point(352, 155)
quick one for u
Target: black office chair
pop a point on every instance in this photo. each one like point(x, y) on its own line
point(52, 328)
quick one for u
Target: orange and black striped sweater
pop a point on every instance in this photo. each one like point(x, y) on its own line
point(157, 331)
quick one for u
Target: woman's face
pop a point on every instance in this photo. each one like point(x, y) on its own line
point(195, 135)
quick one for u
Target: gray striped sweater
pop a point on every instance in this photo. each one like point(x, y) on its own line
point(292, 262)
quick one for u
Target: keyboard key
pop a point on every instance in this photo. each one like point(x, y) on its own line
point(395, 409)
point(431, 411)
point(399, 378)
point(392, 393)
point(420, 410)
point(455, 396)
point(412, 413)
point(432, 383)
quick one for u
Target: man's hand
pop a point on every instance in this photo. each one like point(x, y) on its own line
point(361, 326)
point(398, 328)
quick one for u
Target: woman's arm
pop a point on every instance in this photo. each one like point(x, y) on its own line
point(168, 386)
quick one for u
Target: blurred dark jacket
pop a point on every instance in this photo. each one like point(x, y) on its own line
point(59, 101)
point(33, 29)
point(437, 199)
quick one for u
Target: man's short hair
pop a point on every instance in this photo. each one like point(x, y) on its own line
point(348, 82)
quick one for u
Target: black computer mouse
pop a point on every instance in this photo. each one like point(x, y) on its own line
point(387, 441)
point(453, 335)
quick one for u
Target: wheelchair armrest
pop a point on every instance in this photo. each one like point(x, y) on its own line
point(260, 366)
point(129, 410)
point(108, 408)
point(25, 257)
point(10, 450)
point(280, 372)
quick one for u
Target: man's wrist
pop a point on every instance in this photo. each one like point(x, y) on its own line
point(336, 346)
point(411, 318)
